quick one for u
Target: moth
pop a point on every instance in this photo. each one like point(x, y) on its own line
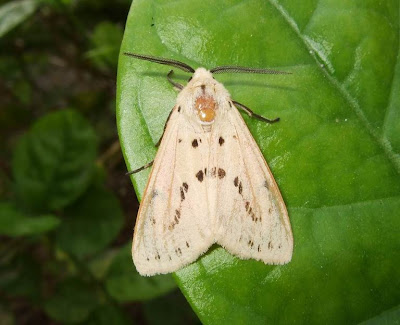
point(209, 182)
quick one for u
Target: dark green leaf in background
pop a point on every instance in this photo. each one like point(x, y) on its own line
point(14, 223)
point(107, 315)
point(54, 162)
point(20, 275)
point(125, 284)
point(72, 302)
point(91, 223)
point(334, 154)
point(106, 40)
point(14, 12)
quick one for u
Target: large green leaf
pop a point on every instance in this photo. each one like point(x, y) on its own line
point(54, 162)
point(334, 155)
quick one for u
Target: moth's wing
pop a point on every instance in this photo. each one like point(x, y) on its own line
point(173, 227)
point(252, 218)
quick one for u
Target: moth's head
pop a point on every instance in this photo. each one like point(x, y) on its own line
point(205, 92)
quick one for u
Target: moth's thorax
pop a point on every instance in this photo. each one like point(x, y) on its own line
point(203, 98)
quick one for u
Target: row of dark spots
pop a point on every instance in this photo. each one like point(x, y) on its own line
point(183, 189)
point(195, 143)
point(176, 220)
point(251, 244)
point(213, 173)
point(238, 184)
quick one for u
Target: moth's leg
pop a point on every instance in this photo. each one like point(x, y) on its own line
point(175, 84)
point(140, 169)
point(252, 114)
point(165, 126)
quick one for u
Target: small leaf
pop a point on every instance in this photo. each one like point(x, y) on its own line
point(14, 223)
point(106, 40)
point(72, 302)
point(14, 12)
point(125, 284)
point(20, 276)
point(91, 223)
point(54, 162)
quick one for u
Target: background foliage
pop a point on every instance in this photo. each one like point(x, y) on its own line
point(67, 210)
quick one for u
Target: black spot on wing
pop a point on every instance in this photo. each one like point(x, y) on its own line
point(221, 141)
point(182, 194)
point(185, 186)
point(200, 175)
point(236, 181)
point(179, 109)
point(195, 144)
point(221, 173)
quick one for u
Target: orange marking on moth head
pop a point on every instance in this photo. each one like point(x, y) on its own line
point(205, 107)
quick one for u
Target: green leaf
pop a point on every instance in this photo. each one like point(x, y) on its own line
point(54, 162)
point(125, 284)
point(14, 12)
point(91, 223)
point(334, 154)
point(106, 40)
point(20, 276)
point(72, 302)
point(14, 223)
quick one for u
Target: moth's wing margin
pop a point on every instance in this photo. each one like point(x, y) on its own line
point(252, 217)
point(173, 227)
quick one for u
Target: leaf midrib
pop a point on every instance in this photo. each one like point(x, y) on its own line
point(352, 102)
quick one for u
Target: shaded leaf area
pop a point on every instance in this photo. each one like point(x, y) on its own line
point(20, 276)
point(334, 154)
point(124, 283)
point(14, 223)
point(54, 162)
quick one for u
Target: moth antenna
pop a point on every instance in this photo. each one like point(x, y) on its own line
point(140, 169)
point(173, 63)
point(234, 69)
point(254, 115)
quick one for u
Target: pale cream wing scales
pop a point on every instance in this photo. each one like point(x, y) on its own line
point(252, 218)
point(173, 226)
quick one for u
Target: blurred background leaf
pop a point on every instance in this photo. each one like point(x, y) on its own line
point(14, 12)
point(53, 163)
